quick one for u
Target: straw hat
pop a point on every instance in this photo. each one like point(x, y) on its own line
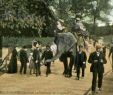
point(98, 46)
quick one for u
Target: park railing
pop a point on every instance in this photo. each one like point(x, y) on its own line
point(4, 63)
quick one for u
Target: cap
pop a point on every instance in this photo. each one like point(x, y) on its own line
point(98, 46)
point(47, 45)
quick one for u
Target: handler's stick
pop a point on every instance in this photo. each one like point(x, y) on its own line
point(111, 63)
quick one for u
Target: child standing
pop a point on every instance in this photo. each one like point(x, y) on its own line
point(47, 54)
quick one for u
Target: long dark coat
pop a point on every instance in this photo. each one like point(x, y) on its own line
point(97, 66)
point(12, 67)
point(23, 56)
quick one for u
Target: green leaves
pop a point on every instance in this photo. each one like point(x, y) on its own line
point(23, 16)
point(35, 17)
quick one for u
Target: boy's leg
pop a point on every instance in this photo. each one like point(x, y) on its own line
point(36, 69)
point(49, 67)
point(94, 81)
point(25, 68)
point(21, 68)
point(78, 73)
point(47, 70)
point(39, 72)
point(100, 78)
point(83, 71)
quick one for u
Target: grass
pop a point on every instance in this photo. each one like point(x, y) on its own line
point(21, 41)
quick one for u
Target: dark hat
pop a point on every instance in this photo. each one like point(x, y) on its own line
point(98, 46)
point(48, 46)
point(34, 44)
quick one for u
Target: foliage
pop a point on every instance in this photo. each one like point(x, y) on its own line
point(24, 17)
point(27, 41)
point(38, 17)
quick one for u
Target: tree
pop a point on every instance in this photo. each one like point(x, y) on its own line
point(94, 10)
point(24, 17)
point(37, 17)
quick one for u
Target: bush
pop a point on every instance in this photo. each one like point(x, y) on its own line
point(27, 41)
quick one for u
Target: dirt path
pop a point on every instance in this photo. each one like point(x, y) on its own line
point(108, 85)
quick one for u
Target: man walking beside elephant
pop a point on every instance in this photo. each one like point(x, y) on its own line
point(97, 60)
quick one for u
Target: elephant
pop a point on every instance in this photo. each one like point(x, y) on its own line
point(67, 43)
point(66, 47)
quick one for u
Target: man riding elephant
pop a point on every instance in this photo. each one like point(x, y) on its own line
point(66, 48)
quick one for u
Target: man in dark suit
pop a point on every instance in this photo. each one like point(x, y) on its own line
point(80, 61)
point(23, 60)
point(36, 59)
point(47, 55)
point(97, 59)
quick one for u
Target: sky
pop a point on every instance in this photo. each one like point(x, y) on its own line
point(110, 17)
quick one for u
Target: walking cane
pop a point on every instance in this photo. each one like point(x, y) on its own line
point(111, 64)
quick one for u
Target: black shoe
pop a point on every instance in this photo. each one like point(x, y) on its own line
point(66, 75)
point(100, 89)
point(82, 75)
point(36, 75)
point(70, 75)
point(94, 92)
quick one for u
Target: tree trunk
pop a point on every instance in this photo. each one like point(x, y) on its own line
point(94, 24)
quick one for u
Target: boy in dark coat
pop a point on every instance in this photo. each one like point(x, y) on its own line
point(47, 54)
point(23, 60)
point(80, 61)
point(97, 59)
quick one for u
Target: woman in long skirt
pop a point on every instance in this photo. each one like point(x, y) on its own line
point(12, 68)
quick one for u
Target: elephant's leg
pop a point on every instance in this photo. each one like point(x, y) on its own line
point(65, 63)
point(71, 65)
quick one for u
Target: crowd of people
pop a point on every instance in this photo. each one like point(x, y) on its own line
point(38, 57)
